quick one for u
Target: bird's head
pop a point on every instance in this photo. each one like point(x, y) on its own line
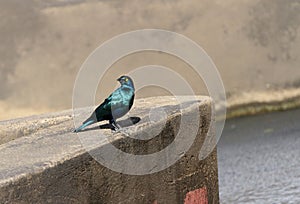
point(126, 80)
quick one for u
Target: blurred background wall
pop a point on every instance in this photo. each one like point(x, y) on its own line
point(254, 43)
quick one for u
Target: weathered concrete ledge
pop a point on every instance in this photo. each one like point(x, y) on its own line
point(253, 103)
point(43, 161)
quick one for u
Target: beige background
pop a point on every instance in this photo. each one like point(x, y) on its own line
point(254, 43)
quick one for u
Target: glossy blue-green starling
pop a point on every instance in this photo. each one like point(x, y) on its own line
point(115, 106)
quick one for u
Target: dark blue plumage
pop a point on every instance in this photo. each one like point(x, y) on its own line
point(115, 106)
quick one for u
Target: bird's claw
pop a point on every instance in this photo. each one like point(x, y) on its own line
point(116, 126)
point(120, 130)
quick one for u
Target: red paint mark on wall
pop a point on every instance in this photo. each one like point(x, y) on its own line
point(198, 196)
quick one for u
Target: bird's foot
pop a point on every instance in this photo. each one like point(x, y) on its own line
point(120, 130)
point(116, 126)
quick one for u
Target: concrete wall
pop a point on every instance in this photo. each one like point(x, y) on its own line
point(254, 43)
point(48, 164)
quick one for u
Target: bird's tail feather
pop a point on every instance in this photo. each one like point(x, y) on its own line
point(86, 123)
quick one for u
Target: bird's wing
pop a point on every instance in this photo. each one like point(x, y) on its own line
point(119, 98)
point(131, 101)
point(120, 101)
point(103, 111)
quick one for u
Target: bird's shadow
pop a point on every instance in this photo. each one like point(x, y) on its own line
point(123, 123)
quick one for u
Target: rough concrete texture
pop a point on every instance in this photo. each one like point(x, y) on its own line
point(48, 164)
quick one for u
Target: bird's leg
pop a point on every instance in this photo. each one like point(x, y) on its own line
point(114, 124)
point(117, 127)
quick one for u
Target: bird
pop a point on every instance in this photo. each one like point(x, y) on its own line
point(114, 106)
